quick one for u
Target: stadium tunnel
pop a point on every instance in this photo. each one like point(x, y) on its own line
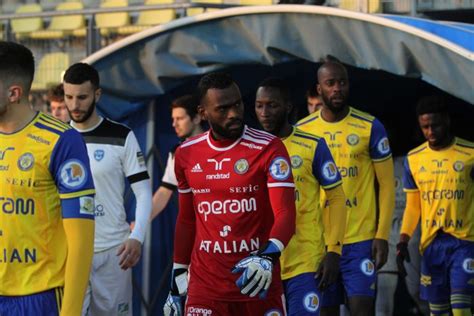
point(392, 62)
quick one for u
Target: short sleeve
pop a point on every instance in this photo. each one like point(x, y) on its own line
point(183, 186)
point(408, 181)
point(277, 165)
point(379, 144)
point(324, 168)
point(71, 171)
point(169, 177)
point(134, 165)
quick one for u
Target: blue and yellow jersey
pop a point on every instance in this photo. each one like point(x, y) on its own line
point(312, 166)
point(45, 177)
point(355, 142)
point(444, 180)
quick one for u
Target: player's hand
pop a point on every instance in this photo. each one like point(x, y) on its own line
point(132, 225)
point(257, 271)
point(379, 252)
point(402, 256)
point(129, 252)
point(328, 271)
point(174, 304)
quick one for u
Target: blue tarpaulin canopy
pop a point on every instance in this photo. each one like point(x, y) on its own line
point(392, 60)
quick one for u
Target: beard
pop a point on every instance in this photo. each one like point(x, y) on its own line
point(328, 103)
point(86, 114)
point(225, 132)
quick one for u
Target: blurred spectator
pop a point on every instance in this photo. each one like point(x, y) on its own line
point(314, 101)
point(57, 105)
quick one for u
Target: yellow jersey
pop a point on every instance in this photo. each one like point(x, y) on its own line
point(355, 142)
point(444, 180)
point(312, 167)
point(45, 177)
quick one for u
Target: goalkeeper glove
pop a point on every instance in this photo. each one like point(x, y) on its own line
point(257, 271)
point(174, 304)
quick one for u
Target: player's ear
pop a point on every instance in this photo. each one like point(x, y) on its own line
point(202, 112)
point(318, 88)
point(97, 94)
point(15, 93)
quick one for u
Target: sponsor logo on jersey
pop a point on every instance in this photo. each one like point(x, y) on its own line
point(458, 166)
point(233, 206)
point(245, 189)
point(425, 280)
point(438, 163)
point(225, 231)
point(218, 176)
point(311, 302)
point(280, 169)
point(329, 171)
point(218, 164)
point(367, 267)
point(468, 265)
point(251, 146)
point(17, 206)
point(4, 152)
point(296, 161)
point(352, 139)
point(350, 172)
point(273, 312)
point(229, 246)
point(201, 191)
point(26, 161)
point(241, 166)
point(198, 311)
point(383, 146)
point(196, 168)
point(140, 159)
point(73, 174)
point(86, 205)
point(122, 309)
point(436, 195)
point(422, 169)
point(332, 136)
point(38, 139)
point(15, 255)
point(99, 154)
point(99, 210)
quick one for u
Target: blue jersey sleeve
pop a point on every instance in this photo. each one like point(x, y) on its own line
point(379, 145)
point(71, 171)
point(324, 168)
point(408, 181)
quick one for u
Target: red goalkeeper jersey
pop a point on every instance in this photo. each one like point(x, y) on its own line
point(234, 197)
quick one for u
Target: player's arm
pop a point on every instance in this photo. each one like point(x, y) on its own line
point(80, 241)
point(160, 199)
point(337, 214)
point(386, 179)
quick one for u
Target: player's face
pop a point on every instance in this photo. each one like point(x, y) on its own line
point(271, 109)
point(59, 111)
point(314, 104)
point(80, 100)
point(334, 88)
point(435, 128)
point(224, 111)
point(182, 123)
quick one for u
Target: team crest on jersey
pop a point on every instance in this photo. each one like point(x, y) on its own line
point(352, 139)
point(241, 166)
point(280, 169)
point(296, 161)
point(274, 312)
point(383, 146)
point(367, 267)
point(99, 154)
point(311, 302)
point(458, 166)
point(468, 265)
point(73, 174)
point(329, 171)
point(26, 161)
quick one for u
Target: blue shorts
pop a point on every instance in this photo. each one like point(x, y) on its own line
point(447, 267)
point(47, 303)
point(302, 295)
point(357, 277)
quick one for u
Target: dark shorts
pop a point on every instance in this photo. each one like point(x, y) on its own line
point(46, 303)
point(302, 295)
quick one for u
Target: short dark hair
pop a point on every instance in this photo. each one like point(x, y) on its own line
point(312, 93)
point(188, 102)
point(56, 93)
point(80, 73)
point(277, 83)
point(215, 80)
point(431, 104)
point(17, 64)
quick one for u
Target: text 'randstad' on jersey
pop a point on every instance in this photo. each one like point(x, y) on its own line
point(230, 184)
point(355, 142)
point(444, 180)
point(44, 177)
point(114, 155)
point(313, 167)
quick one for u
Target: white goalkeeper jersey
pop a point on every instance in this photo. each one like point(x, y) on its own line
point(114, 155)
point(169, 177)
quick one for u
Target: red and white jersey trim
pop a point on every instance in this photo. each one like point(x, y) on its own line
point(195, 141)
point(184, 190)
point(280, 184)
